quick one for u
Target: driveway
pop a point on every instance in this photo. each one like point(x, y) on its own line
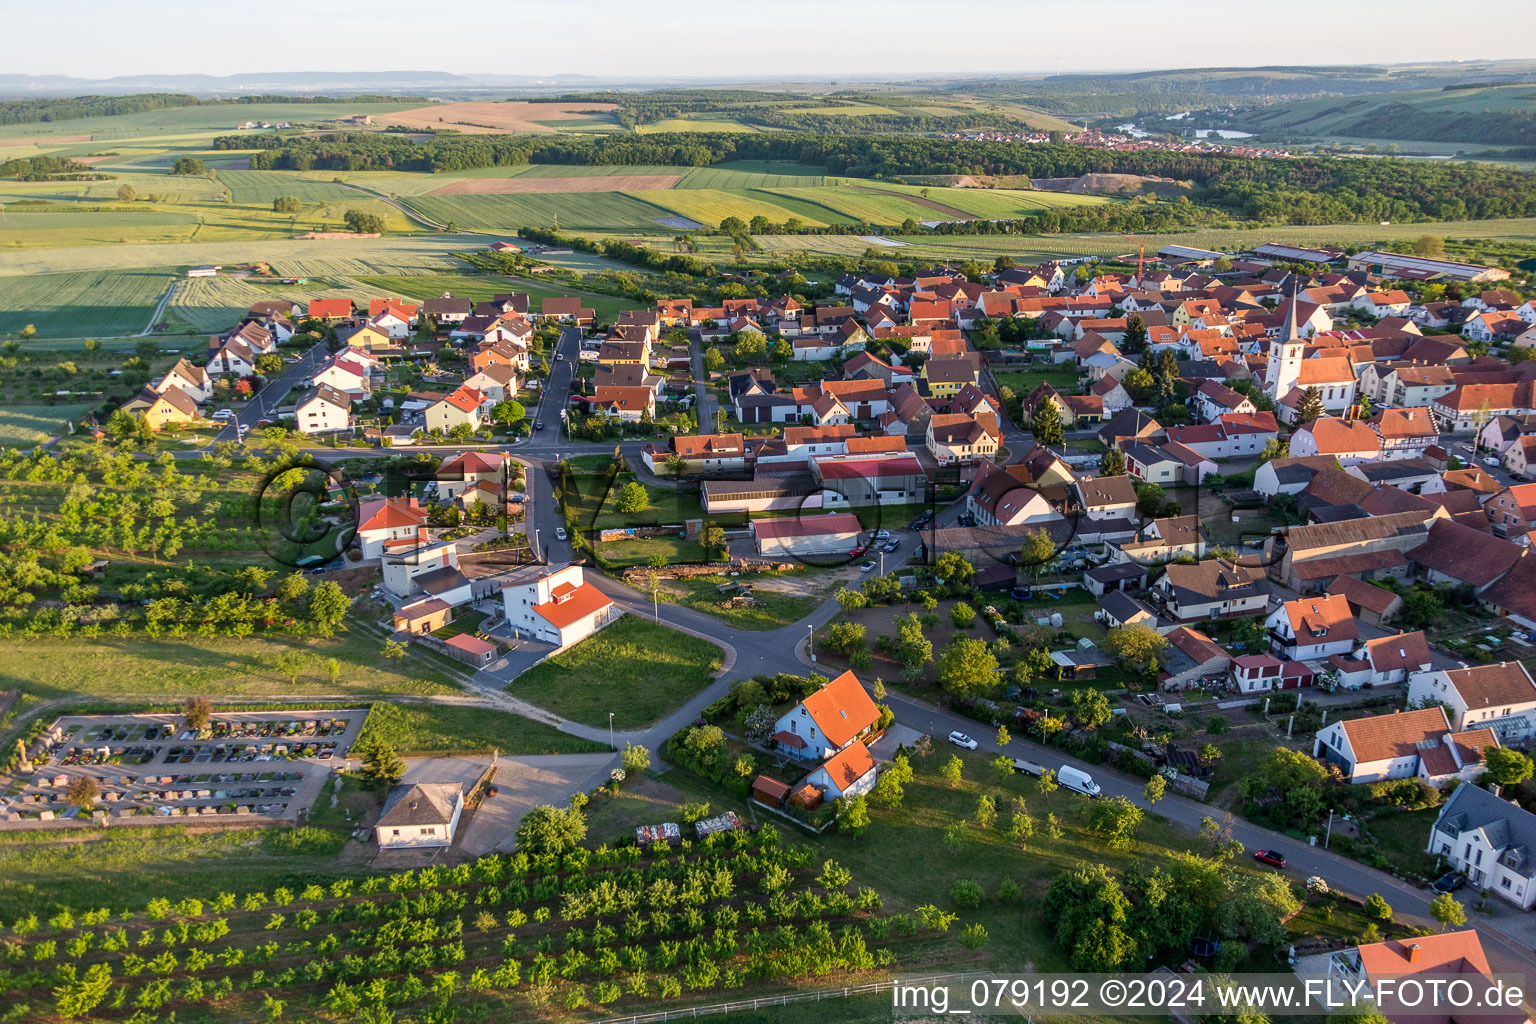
point(521, 783)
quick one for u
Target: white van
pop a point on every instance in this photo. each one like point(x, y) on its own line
point(1078, 780)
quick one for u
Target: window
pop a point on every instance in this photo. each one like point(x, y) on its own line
point(1504, 881)
point(395, 833)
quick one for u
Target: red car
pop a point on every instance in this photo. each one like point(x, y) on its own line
point(1273, 858)
point(856, 552)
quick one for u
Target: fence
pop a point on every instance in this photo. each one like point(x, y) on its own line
point(786, 998)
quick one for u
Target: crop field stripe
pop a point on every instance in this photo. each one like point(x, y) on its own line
point(808, 210)
point(83, 303)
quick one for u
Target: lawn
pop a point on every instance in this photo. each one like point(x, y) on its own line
point(644, 550)
point(638, 670)
point(1024, 381)
point(466, 620)
point(595, 501)
point(217, 666)
point(117, 867)
point(771, 610)
point(419, 729)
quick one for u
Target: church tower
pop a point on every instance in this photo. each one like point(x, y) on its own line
point(1284, 367)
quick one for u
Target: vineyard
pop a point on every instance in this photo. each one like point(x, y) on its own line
point(531, 936)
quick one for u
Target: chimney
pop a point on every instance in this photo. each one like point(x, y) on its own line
point(1413, 952)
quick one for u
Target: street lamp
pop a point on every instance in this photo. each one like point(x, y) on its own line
point(810, 645)
point(610, 731)
point(1329, 837)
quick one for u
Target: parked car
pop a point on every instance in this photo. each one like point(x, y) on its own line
point(891, 545)
point(866, 567)
point(538, 424)
point(1490, 460)
point(961, 740)
point(883, 535)
point(1449, 882)
point(560, 533)
point(222, 415)
point(1274, 858)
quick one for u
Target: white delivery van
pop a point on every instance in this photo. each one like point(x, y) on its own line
point(1078, 780)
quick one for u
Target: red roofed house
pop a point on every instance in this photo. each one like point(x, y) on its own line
point(466, 472)
point(462, 406)
point(1310, 628)
point(832, 533)
point(384, 522)
point(1350, 441)
point(1402, 745)
point(828, 721)
point(1404, 433)
point(1394, 658)
point(554, 604)
point(1499, 696)
point(623, 402)
point(957, 437)
point(330, 309)
point(850, 772)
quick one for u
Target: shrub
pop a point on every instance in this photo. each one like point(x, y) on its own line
point(966, 894)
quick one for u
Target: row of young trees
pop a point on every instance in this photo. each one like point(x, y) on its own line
point(585, 927)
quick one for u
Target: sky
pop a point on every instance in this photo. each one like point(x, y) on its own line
point(742, 41)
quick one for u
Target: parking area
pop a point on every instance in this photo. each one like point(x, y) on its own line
point(154, 768)
point(521, 783)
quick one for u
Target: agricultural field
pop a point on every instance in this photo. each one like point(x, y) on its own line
point(505, 116)
point(207, 304)
point(23, 425)
point(290, 257)
point(179, 124)
point(711, 206)
point(612, 930)
point(481, 287)
point(265, 186)
point(573, 211)
point(86, 303)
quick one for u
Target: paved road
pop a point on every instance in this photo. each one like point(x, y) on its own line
point(264, 405)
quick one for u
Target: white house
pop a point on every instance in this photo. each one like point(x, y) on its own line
point(386, 524)
point(1394, 658)
point(850, 772)
point(1310, 628)
point(420, 816)
point(1489, 840)
point(827, 721)
point(193, 380)
point(1406, 745)
point(323, 410)
point(345, 374)
point(554, 604)
point(1499, 696)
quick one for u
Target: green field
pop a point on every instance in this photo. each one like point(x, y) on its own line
point(208, 304)
point(634, 668)
point(711, 206)
point(481, 287)
point(418, 729)
point(574, 210)
point(139, 666)
point(86, 303)
point(288, 257)
point(265, 186)
point(24, 425)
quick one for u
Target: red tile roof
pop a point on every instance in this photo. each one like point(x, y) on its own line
point(321, 308)
point(849, 765)
point(586, 600)
point(841, 710)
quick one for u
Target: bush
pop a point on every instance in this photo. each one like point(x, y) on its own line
point(966, 894)
point(962, 615)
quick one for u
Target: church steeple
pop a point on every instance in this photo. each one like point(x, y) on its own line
point(1284, 366)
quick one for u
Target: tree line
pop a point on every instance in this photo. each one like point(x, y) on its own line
point(68, 108)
